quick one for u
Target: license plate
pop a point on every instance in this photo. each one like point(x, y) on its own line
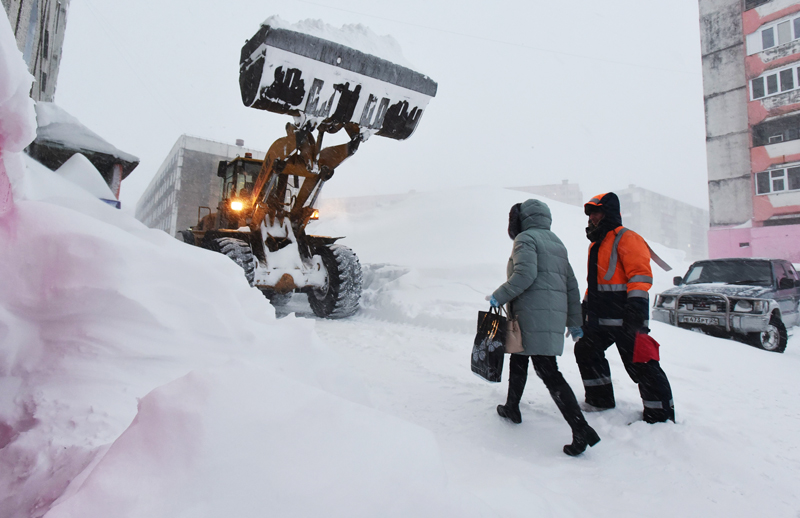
point(709, 321)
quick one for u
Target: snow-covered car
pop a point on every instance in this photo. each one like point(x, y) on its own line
point(752, 299)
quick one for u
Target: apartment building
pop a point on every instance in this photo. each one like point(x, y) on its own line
point(751, 88)
point(39, 27)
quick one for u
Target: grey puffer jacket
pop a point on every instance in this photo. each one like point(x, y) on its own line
point(541, 286)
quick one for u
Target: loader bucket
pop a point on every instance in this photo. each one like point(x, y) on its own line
point(290, 72)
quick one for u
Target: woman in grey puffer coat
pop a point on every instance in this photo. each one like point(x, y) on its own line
point(543, 295)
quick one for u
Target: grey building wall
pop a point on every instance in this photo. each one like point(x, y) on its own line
point(39, 27)
point(186, 180)
point(564, 192)
point(725, 95)
point(665, 220)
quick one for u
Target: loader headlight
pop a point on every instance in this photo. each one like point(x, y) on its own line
point(237, 206)
point(315, 214)
point(666, 302)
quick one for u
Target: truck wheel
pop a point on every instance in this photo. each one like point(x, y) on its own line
point(773, 339)
point(341, 293)
point(239, 251)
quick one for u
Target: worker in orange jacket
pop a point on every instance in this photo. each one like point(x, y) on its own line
point(616, 309)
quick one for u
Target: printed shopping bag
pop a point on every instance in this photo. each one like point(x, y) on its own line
point(487, 349)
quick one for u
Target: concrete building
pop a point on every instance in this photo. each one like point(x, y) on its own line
point(564, 192)
point(751, 88)
point(665, 220)
point(186, 181)
point(39, 27)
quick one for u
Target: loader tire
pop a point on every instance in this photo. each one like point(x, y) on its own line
point(239, 251)
point(341, 293)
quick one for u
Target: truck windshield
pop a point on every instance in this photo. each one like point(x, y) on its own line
point(757, 273)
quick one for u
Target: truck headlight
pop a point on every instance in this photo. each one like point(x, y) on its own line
point(744, 306)
point(237, 206)
point(666, 302)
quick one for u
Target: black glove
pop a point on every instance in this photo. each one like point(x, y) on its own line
point(632, 319)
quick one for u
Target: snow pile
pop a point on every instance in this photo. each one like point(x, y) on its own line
point(56, 125)
point(356, 36)
point(17, 128)
point(80, 171)
point(143, 377)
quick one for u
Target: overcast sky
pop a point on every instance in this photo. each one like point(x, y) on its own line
point(604, 94)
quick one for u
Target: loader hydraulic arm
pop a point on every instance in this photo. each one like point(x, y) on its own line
point(290, 158)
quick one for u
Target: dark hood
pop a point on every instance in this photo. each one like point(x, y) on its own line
point(609, 204)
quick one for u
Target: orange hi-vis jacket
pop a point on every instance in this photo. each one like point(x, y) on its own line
point(623, 277)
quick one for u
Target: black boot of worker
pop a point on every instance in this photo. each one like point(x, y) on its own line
point(580, 440)
point(658, 415)
point(511, 413)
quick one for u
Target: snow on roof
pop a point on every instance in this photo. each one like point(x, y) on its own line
point(356, 36)
point(58, 126)
point(80, 171)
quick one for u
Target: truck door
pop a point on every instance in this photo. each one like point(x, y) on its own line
point(787, 292)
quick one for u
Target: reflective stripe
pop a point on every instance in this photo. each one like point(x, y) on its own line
point(593, 200)
point(597, 382)
point(637, 293)
point(655, 404)
point(612, 287)
point(612, 262)
point(641, 278)
point(609, 321)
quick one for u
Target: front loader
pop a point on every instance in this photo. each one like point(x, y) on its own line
point(266, 204)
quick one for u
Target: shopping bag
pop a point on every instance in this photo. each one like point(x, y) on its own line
point(487, 349)
point(513, 342)
point(645, 348)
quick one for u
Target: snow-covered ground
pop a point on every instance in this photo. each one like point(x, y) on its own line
point(142, 377)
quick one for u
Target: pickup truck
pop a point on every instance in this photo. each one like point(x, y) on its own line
point(751, 299)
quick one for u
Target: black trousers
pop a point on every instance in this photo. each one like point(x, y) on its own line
point(547, 369)
point(590, 353)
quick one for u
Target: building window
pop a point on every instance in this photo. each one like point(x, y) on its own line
point(767, 38)
point(787, 79)
point(751, 4)
point(778, 180)
point(776, 130)
point(774, 82)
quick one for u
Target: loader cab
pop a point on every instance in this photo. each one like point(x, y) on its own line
point(238, 178)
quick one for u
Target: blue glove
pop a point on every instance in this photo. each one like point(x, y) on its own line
point(576, 332)
point(493, 301)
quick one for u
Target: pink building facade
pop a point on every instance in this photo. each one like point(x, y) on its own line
point(751, 82)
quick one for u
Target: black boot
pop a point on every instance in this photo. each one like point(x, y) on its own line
point(580, 439)
point(658, 415)
point(510, 412)
point(582, 433)
point(517, 376)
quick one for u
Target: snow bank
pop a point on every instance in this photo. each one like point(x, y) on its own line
point(56, 125)
point(17, 124)
point(80, 171)
point(355, 36)
point(283, 449)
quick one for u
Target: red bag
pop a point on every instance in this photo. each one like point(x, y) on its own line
point(645, 348)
